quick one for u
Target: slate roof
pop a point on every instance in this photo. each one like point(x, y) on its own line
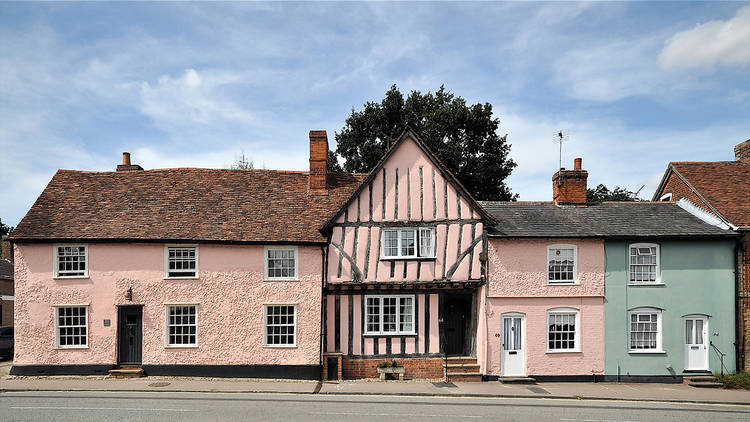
point(6, 270)
point(184, 204)
point(608, 219)
point(724, 184)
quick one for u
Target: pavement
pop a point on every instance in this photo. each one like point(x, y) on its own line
point(564, 390)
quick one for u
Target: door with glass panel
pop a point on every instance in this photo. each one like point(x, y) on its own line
point(696, 343)
point(512, 359)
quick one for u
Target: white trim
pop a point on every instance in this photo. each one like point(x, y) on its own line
point(8, 298)
point(166, 261)
point(658, 281)
point(666, 197)
point(398, 316)
point(417, 230)
point(704, 215)
point(56, 316)
point(577, 333)
point(166, 326)
point(55, 257)
point(281, 248)
point(643, 311)
point(265, 326)
point(575, 264)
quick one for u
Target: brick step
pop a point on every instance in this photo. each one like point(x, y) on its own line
point(126, 372)
point(705, 384)
point(517, 380)
point(464, 376)
point(462, 367)
point(462, 359)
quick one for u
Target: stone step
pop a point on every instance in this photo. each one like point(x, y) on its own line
point(702, 378)
point(517, 380)
point(129, 372)
point(706, 384)
point(464, 377)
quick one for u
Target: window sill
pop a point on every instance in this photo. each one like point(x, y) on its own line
point(280, 346)
point(410, 258)
point(552, 283)
point(631, 284)
point(181, 278)
point(77, 277)
point(559, 352)
point(647, 352)
point(390, 334)
point(71, 347)
point(181, 346)
point(281, 279)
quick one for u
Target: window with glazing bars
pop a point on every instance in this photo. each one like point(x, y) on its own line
point(71, 261)
point(281, 263)
point(561, 331)
point(72, 326)
point(182, 325)
point(644, 331)
point(281, 324)
point(644, 263)
point(409, 243)
point(389, 315)
point(182, 261)
point(561, 265)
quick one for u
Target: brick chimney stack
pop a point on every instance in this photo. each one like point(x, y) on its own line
point(318, 162)
point(126, 166)
point(742, 152)
point(569, 186)
point(7, 249)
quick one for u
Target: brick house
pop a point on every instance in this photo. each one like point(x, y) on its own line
point(6, 283)
point(721, 188)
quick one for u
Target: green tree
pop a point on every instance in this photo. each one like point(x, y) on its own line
point(5, 229)
point(464, 137)
point(601, 194)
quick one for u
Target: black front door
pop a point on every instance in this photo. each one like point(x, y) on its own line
point(130, 334)
point(457, 315)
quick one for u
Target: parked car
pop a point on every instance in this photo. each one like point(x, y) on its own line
point(6, 342)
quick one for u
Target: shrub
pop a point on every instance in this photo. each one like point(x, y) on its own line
point(738, 380)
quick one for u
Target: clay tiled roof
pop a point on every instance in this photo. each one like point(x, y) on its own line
point(184, 204)
point(724, 184)
point(604, 220)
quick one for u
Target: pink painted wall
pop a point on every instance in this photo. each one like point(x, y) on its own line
point(538, 361)
point(230, 292)
point(518, 268)
point(407, 160)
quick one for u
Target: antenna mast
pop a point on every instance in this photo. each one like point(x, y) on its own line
point(559, 137)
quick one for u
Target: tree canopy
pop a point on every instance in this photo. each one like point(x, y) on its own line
point(5, 229)
point(464, 137)
point(601, 194)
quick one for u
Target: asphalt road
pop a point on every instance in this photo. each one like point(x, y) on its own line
point(161, 406)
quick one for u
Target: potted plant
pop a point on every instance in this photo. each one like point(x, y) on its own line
point(391, 367)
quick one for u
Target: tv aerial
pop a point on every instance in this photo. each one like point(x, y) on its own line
point(559, 137)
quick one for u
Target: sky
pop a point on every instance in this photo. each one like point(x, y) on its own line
point(636, 85)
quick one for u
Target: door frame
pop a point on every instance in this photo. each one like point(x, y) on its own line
point(523, 341)
point(120, 310)
point(706, 341)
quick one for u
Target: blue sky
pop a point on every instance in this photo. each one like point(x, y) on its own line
point(191, 84)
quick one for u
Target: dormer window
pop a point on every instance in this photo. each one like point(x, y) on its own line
point(412, 242)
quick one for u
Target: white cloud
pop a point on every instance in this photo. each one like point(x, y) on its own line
point(710, 44)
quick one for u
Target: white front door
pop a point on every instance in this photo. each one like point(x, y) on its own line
point(696, 343)
point(512, 358)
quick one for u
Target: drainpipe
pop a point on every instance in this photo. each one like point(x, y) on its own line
point(324, 268)
point(739, 339)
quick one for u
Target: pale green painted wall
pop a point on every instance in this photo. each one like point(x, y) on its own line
point(698, 278)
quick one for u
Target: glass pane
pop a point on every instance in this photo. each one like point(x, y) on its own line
point(507, 334)
point(698, 331)
point(688, 331)
point(517, 333)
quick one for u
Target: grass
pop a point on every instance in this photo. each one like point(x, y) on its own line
point(738, 380)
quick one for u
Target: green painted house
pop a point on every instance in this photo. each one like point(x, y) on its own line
point(669, 302)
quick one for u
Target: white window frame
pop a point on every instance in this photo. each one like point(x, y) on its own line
point(575, 264)
point(577, 334)
point(281, 248)
point(166, 261)
point(398, 332)
point(641, 311)
point(265, 326)
point(56, 269)
point(657, 281)
point(57, 327)
point(666, 197)
point(417, 242)
point(166, 326)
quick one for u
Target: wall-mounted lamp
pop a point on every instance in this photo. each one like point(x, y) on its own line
point(129, 294)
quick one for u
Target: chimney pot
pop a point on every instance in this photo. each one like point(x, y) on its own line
point(318, 162)
point(577, 163)
point(125, 158)
point(742, 152)
point(126, 165)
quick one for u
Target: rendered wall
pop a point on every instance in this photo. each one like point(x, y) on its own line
point(698, 277)
point(230, 292)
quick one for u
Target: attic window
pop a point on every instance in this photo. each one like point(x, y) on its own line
point(666, 197)
point(181, 262)
point(71, 261)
